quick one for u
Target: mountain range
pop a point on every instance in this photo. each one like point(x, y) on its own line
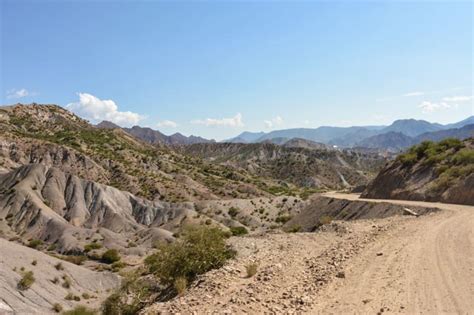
point(397, 136)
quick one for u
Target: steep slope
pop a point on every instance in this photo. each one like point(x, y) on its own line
point(39, 202)
point(430, 171)
point(300, 166)
point(51, 135)
point(44, 293)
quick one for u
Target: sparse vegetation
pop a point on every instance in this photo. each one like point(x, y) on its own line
point(80, 310)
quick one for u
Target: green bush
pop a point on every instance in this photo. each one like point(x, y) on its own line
point(283, 219)
point(180, 285)
point(130, 298)
point(233, 212)
point(238, 230)
point(92, 246)
point(57, 307)
point(80, 310)
point(199, 250)
point(111, 256)
point(251, 269)
point(26, 281)
point(35, 243)
point(464, 157)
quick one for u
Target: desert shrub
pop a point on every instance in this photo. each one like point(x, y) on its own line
point(116, 266)
point(72, 297)
point(464, 157)
point(238, 230)
point(34, 262)
point(180, 285)
point(92, 246)
point(78, 260)
point(59, 266)
point(86, 296)
point(26, 281)
point(325, 219)
point(111, 256)
point(80, 310)
point(293, 229)
point(55, 280)
point(233, 211)
point(199, 250)
point(52, 247)
point(130, 298)
point(57, 307)
point(35, 243)
point(408, 158)
point(66, 282)
point(251, 269)
point(283, 219)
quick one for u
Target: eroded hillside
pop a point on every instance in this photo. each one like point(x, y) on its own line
point(442, 171)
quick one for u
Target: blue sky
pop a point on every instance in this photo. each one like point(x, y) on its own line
point(217, 68)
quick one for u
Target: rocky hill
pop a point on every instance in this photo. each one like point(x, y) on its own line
point(50, 135)
point(297, 164)
point(442, 171)
point(154, 136)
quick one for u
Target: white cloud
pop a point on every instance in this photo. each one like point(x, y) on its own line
point(274, 122)
point(429, 107)
point(416, 93)
point(235, 121)
point(13, 93)
point(167, 124)
point(457, 99)
point(93, 108)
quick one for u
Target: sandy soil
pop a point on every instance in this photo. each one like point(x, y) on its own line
point(402, 264)
point(426, 266)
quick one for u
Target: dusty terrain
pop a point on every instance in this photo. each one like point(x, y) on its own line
point(401, 264)
point(46, 291)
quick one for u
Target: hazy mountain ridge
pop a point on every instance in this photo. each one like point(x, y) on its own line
point(382, 137)
point(154, 136)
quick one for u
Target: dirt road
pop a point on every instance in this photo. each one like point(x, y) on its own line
point(400, 264)
point(421, 266)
